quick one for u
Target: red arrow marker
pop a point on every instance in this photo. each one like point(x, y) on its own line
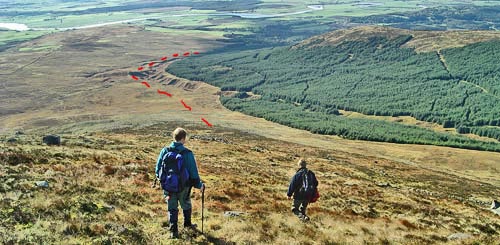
point(140, 68)
point(164, 58)
point(186, 106)
point(165, 93)
point(146, 84)
point(151, 64)
point(206, 122)
point(134, 77)
point(186, 54)
point(175, 55)
point(196, 52)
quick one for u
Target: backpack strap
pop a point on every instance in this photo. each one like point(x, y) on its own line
point(314, 179)
point(165, 153)
point(305, 179)
point(304, 171)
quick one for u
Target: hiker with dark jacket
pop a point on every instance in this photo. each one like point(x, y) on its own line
point(183, 195)
point(303, 187)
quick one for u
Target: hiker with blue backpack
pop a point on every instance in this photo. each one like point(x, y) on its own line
point(177, 172)
point(304, 189)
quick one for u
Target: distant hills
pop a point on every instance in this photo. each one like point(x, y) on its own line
point(450, 78)
point(460, 16)
point(421, 41)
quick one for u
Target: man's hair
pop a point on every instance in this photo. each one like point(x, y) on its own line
point(179, 134)
point(302, 163)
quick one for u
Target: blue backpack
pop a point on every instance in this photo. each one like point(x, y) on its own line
point(173, 174)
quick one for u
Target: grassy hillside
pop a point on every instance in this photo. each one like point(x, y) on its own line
point(372, 74)
point(99, 192)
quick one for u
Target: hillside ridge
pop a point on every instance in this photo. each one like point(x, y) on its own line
point(365, 70)
point(421, 41)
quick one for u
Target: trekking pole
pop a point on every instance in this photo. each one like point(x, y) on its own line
point(202, 208)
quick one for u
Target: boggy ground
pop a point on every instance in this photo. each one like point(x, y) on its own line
point(99, 192)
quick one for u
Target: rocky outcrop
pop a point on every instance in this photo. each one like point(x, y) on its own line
point(52, 140)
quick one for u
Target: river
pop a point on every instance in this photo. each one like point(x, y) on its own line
point(23, 27)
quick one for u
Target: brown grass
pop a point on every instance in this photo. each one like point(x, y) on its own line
point(109, 170)
point(408, 224)
point(87, 204)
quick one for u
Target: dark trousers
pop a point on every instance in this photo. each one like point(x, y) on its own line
point(299, 207)
point(184, 199)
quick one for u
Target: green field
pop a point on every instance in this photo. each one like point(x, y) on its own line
point(13, 37)
point(38, 14)
point(55, 14)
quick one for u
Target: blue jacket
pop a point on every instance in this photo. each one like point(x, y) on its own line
point(189, 161)
point(296, 183)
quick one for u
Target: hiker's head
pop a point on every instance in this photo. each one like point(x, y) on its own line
point(302, 163)
point(179, 135)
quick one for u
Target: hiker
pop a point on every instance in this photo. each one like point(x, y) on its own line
point(303, 187)
point(177, 178)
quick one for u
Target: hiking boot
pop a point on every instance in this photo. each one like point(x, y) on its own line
point(174, 235)
point(302, 217)
point(174, 231)
point(187, 219)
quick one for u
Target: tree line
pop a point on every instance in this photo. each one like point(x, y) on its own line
point(375, 76)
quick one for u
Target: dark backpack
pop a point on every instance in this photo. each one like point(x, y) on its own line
point(173, 174)
point(308, 188)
